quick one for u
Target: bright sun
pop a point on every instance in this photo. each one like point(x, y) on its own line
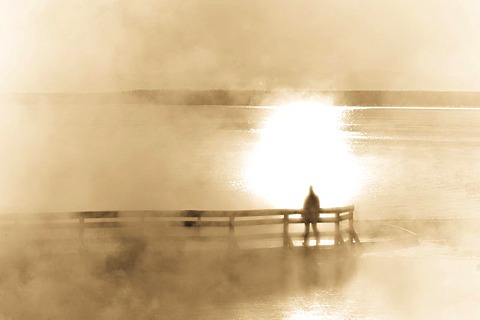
point(302, 145)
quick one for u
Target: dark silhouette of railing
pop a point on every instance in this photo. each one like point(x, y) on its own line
point(189, 224)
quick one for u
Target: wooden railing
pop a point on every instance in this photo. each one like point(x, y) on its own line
point(191, 223)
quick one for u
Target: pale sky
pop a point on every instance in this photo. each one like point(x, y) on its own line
point(110, 45)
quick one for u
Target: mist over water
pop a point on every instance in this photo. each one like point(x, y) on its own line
point(416, 164)
point(62, 158)
point(119, 45)
point(407, 165)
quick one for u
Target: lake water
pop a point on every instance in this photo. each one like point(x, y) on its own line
point(420, 162)
point(425, 282)
point(389, 162)
point(392, 163)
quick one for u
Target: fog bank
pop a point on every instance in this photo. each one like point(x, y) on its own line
point(329, 45)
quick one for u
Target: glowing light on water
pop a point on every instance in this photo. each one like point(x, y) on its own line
point(302, 145)
point(312, 242)
point(313, 311)
point(299, 315)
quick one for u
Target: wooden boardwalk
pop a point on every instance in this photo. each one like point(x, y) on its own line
point(234, 228)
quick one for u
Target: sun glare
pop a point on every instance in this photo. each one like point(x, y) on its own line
point(302, 145)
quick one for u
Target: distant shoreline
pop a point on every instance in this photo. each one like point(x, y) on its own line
point(254, 97)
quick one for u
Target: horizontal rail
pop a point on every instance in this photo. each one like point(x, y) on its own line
point(165, 213)
point(191, 223)
point(185, 224)
point(338, 209)
point(258, 222)
point(329, 219)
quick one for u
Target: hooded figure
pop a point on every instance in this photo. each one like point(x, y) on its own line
point(310, 215)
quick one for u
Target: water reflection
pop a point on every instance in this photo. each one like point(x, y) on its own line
point(290, 284)
point(328, 271)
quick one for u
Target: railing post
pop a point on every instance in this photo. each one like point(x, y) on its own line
point(198, 224)
point(231, 225)
point(81, 229)
point(338, 237)
point(231, 229)
point(287, 242)
point(350, 227)
point(142, 224)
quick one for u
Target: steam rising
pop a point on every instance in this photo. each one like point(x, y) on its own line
point(143, 279)
point(109, 157)
point(123, 45)
point(140, 278)
point(114, 157)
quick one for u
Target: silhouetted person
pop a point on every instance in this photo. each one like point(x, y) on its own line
point(310, 213)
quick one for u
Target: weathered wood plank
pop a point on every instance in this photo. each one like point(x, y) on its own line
point(337, 209)
point(258, 222)
point(163, 213)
